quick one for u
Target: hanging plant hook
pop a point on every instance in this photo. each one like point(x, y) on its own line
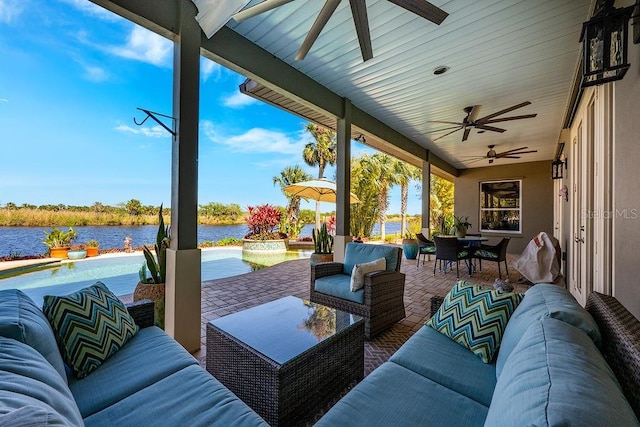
point(153, 115)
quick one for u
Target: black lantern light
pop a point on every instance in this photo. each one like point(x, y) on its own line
point(605, 42)
point(556, 169)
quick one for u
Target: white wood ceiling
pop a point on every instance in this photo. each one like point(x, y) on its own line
point(501, 53)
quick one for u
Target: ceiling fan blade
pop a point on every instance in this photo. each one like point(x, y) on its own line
point(446, 134)
point(265, 6)
point(445, 129)
point(467, 131)
point(475, 110)
point(514, 149)
point(317, 27)
point(491, 128)
point(359, 12)
point(507, 157)
point(506, 119)
point(506, 110)
point(475, 161)
point(423, 9)
point(522, 152)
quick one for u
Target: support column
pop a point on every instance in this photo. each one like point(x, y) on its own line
point(343, 183)
point(183, 287)
point(426, 196)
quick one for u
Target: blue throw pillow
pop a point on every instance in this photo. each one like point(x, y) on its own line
point(475, 317)
point(90, 325)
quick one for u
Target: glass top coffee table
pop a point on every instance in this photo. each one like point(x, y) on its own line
point(287, 359)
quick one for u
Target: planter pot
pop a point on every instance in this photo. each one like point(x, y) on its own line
point(60, 253)
point(262, 246)
point(410, 248)
point(92, 251)
point(154, 292)
point(461, 231)
point(316, 258)
point(77, 254)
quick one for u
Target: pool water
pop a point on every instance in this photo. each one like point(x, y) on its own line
point(120, 272)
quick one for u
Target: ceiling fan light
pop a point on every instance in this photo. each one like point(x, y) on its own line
point(441, 69)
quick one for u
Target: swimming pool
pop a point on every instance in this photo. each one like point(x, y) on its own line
point(120, 272)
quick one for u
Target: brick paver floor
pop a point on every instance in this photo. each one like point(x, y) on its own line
point(224, 296)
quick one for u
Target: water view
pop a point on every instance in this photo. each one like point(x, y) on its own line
point(28, 240)
point(120, 271)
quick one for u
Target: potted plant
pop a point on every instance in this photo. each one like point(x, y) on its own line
point(460, 225)
point(322, 245)
point(410, 245)
point(92, 246)
point(77, 252)
point(153, 287)
point(263, 236)
point(59, 241)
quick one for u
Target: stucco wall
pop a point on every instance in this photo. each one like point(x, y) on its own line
point(626, 185)
point(537, 199)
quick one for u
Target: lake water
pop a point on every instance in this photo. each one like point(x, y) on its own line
point(28, 240)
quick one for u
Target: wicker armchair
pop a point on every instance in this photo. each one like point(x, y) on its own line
point(380, 302)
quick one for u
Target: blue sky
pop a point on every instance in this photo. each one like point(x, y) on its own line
point(71, 77)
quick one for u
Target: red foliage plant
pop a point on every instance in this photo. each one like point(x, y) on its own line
point(262, 222)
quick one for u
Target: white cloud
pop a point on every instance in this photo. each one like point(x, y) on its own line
point(209, 68)
point(146, 46)
point(257, 140)
point(95, 74)
point(238, 100)
point(91, 9)
point(4, 100)
point(148, 131)
point(10, 9)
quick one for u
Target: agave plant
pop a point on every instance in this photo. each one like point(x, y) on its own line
point(157, 265)
point(322, 240)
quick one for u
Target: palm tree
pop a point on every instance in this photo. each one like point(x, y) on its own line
point(291, 175)
point(404, 174)
point(381, 166)
point(320, 153)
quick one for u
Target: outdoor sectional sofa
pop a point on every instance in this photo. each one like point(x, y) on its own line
point(151, 380)
point(549, 371)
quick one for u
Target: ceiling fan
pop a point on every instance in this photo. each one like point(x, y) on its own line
point(509, 154)
point(421, 8)
point(483, 123)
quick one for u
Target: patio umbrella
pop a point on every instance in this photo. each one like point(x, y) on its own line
point(320, 190)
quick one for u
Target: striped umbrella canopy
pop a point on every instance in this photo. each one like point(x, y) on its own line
point(317, 189)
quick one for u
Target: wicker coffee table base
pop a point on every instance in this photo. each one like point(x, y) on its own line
point(291, 393)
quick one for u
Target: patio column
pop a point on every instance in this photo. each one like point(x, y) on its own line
point(183, 293)
point(343, 183)
point(426, 196)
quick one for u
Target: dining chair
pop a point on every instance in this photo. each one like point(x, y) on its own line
point(450, 249)
point(496, 253)
point(425, 247)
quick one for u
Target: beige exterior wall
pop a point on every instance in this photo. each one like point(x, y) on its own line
point(537, 199)
point(626, 185)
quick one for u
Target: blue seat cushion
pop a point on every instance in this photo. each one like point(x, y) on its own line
point(359, 253)
point(22, 320)
point(393, 395)
point(556, 376)
point(203, 401)
point(32, 392)
point(148, 357)
point(544, 300)
point(339, 285)
point(485, 254)
point(428, 250)
point(437, 357)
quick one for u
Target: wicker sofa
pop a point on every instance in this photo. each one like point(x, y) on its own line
point(380, 301)
point(550, 371)
point(151, 380)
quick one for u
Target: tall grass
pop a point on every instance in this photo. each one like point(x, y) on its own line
point(25, 217)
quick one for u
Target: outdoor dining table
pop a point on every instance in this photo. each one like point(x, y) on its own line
point(471, 241)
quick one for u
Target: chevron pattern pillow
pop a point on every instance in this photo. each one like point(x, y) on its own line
point(475, 317)
point(90, 326)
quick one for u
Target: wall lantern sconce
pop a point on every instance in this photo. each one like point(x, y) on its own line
point(605, 44)
point(556, 169)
